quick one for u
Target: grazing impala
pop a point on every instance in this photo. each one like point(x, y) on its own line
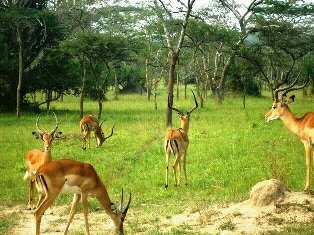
point(88, 124)
point(303, 127)
point(35, 158)
point(82, 180)
point(177, 142)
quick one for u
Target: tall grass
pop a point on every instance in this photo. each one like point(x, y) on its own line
point(231, 149)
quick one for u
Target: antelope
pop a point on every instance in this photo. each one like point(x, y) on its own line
point(177, 142)
point(35, 158)
point(303, 127)
point(81, 179)
point(88, 124)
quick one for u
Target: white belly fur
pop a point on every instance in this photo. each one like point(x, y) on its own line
point(70, 189)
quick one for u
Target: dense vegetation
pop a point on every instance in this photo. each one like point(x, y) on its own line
point(119, 62)
point(50, 48)
point(231, 149)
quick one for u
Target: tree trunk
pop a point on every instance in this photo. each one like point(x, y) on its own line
point(100, 101)
point(116, 86)
point(173, 61)
point(148, 82)
point(178, 90)
point(99, 108)
point(48, 98)
point(82, 93)
point(19, 86)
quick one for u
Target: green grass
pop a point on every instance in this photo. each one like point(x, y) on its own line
point(231, 149)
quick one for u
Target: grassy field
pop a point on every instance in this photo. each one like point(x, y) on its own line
point(231, 149)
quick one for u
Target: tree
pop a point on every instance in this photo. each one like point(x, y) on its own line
point(284, 37)
point(99, 54)
point(165, 15)
point(31, 29)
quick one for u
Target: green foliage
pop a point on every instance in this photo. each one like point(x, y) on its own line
point(231, 149)
point(39, 29)
point(7, 222)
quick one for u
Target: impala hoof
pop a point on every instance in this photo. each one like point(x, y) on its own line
point(166, 186)
point(84, 148)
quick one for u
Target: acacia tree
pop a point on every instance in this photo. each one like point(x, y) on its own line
point(99, 54)
point(285, 37)
point(165, 15)
point(32, 29)
point(25, 22)
point(221, 66)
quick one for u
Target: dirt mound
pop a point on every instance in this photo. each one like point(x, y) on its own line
point(271, 207)
point(267, 192)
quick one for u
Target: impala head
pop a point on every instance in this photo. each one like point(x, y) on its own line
point(280, 104)
point(184, 117)
point(101, 135)
point(120, 214)
point(47, 137)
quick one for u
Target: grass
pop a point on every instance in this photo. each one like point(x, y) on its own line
point(231, 149)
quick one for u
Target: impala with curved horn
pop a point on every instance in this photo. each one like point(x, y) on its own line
point(303, 127)
point(79, 178)
point(35, 158)
point(177, 142)
point(88, 124)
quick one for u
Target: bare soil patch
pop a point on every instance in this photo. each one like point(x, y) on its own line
point(271, 207)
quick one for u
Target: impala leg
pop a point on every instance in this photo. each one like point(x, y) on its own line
point(175, 168)
point(308, 155)
point(41, 210)
point(96, 139)
point(179, 170)
point(184, 168)
point(84, 142)
point(31, 195)
point(75, 201)
point(167, 168)
point(85, 210)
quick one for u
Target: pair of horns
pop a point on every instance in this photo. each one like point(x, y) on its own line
point(52, 131)
point(179, 111)
point(291, 87)
point(127, 206)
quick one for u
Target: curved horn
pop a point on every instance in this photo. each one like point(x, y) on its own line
point(127, 206)
point(285, 88)
point(37, 126)
point(196, 104)
point(175, 109)
point(57, 124)
point(111, 132)
point(101, 123)
point(298, 87)
point(121, 202)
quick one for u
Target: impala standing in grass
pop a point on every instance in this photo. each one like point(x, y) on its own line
point(303, 127)
point(177, 142)
point(88, 124)
point(35, 158)
point(82, 180)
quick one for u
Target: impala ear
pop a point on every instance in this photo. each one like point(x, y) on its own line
point(287, 100)
point(37, 135)
point(57, 134)
point(291, 98)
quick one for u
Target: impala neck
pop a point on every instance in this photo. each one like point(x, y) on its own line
point(290, 121)
point(185, 125)
point(104, 200)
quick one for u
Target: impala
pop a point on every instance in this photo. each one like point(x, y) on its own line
point(35, 158)
point(88, 124)
point(82, 180)
point(177, 142)
point(303, 127)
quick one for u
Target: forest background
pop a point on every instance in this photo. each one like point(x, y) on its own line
point(120, 62)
